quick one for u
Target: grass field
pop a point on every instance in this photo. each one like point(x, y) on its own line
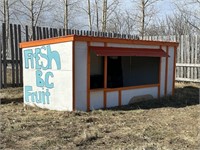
point(169, 123)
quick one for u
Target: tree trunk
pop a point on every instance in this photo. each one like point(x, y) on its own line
point(7, 22)
point(89, 16)
point(32, 19)
point(97, 14)
point(142, 18)
point(104, 16)
point(66, 15)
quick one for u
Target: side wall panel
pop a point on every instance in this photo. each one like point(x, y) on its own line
point(81, 76)
point(47, 71)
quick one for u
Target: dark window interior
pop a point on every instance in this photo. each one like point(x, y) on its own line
point(124, 71)
point(115, 76)
point(96, 71)
point(140, 70)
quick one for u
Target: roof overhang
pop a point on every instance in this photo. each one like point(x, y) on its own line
point(118, 51)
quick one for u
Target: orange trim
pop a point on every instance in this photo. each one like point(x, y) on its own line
point(131, 87)
point(166, 71)
point(159, 74)
point(105, 78)
point(73, 74)
point(104, 99)
point(93, 39)
point(125, 88)
point(47, 41)
point(120, 98)
point(175, 56)
point(96, 90)
point(123, 41)
point(88, 76)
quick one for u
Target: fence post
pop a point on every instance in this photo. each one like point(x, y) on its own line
point(12, 55)
point(16, 56)
point(4, 56)
point(20, 56)
point(1, 50)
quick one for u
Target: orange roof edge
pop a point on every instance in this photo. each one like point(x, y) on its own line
point(53, 40)
point(94, 39)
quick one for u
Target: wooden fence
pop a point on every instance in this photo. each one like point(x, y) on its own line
point(188, 56)
point(11, 72)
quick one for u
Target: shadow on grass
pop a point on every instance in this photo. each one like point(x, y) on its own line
point(183, 97)
point(7, 101)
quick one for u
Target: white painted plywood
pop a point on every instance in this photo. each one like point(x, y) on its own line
point(170, 71)
point(47, 71)
point(96, 99)
point(81, 76)
point(112, 99)
point(163, 70)
point(128, 94)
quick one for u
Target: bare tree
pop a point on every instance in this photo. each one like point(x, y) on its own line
point(190, 10)
point(66, 14)
point(104, 15)
point(97, 14)
point(147, 11)
point(6, 12)
point(122, 22)
point(32, 10)
point(107, 11)
point(89, 16)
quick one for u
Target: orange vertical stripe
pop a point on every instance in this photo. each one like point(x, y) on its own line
point(175, 53)
point(159, 74)
point(88, 76)
point(120, 98)
point(105, 78)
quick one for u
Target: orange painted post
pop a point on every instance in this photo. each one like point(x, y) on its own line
point(120, 98)
point(105, 78)
point(174, 73)
point(88, 77)
point(159, 74)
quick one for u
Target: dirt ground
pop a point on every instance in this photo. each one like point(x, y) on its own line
point(169, 123)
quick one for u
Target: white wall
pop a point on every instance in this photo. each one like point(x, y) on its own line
point(56, 92)
point(96, 99)
point(163, 70)
point(81, 76)
point(128, 94)
point(112, 99)
point(170, 71)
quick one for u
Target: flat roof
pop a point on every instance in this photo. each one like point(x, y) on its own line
point(69, 38)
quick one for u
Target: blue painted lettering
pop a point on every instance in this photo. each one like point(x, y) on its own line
point(40, 97)
point(49, 57)
point(47, 75)
point(39, 80)
point(28, 58)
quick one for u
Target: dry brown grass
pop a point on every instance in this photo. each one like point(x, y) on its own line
point(172, 123)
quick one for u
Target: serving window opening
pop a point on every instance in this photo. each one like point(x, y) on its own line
point(96, 71)
point(123, 71)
